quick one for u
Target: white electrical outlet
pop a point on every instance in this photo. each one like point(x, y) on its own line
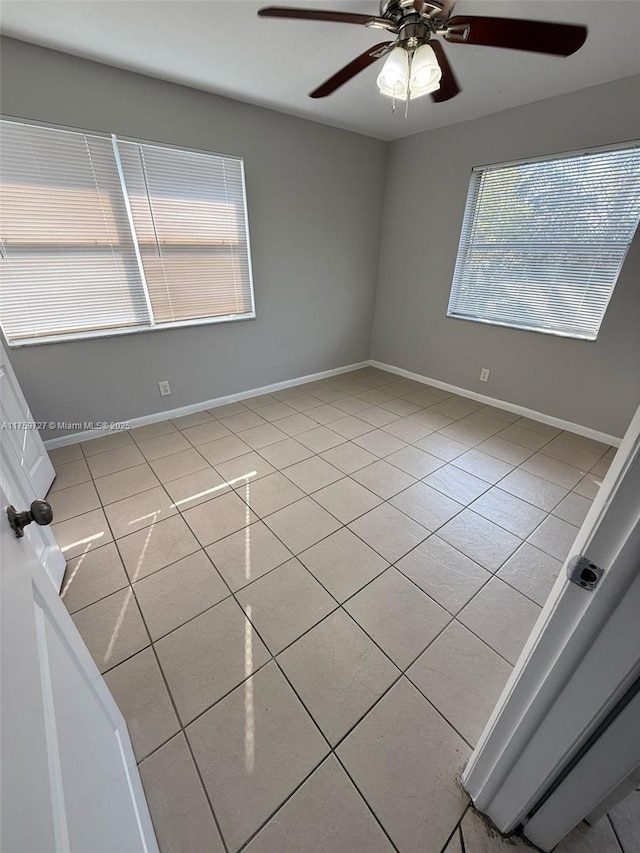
point(165, 388)
point(484, 374)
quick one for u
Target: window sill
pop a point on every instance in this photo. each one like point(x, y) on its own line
point(553, 332)
point(116, 333)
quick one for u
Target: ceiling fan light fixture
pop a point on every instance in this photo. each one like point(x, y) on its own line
point(425, 72)
point(394, 77)
point(394, 80)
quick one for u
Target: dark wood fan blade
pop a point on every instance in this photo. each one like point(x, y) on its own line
point(318, 15)
point(537, 36)
point(449, 87)
point(354, 67)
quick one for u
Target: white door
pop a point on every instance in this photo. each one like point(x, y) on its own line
point(21, 432)
point(69, 780)
point(27, 472)
point(572, 692)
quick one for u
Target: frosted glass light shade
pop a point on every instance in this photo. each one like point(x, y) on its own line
point(394, 81)
point(394, 77)
point(425, 72)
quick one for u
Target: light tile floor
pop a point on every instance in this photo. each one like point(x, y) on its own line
point(307, 604)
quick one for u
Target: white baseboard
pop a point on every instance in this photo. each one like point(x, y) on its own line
point(524, 412)
point(73, 438)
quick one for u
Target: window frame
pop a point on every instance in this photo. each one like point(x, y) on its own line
point(153, 326)
point(468, 212)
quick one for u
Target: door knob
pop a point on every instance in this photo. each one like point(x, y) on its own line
point(39, 511)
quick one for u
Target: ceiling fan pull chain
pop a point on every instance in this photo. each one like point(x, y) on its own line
point(406, 109)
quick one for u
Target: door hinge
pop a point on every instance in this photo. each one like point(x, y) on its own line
point(584, 573)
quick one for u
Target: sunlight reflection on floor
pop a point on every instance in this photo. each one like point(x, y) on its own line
point(249, 721)
point(155, 515)
point(247, 534)
point(123, 610)
point(199, 495)
point(249, 718)
point(118, 625)
point(68, 581)
point(242, 479)
point(88, 540)
point(143, 552)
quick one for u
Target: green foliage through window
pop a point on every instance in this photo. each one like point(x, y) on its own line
point(543, 243)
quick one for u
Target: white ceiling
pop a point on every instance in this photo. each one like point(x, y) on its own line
point(223, 47)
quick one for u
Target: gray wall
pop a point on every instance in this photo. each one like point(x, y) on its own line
point(596, 384)
point(314, 198)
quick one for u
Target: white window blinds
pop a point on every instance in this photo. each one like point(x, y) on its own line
point(189, 217)
point(104, 236)
point(542, 243)
point(68, 257)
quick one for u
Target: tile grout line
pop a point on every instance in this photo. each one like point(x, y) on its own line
point(463, 845)
point(615, 833)
point(456, 831)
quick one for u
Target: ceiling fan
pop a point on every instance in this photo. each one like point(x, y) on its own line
point(417, 64)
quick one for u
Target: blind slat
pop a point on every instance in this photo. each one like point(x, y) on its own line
point(542, 244)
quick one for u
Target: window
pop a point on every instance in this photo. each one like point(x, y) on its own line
point(100, 235)
point(543, 243)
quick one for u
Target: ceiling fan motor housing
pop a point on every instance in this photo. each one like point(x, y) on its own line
point(415, 22)
point(396, 10)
